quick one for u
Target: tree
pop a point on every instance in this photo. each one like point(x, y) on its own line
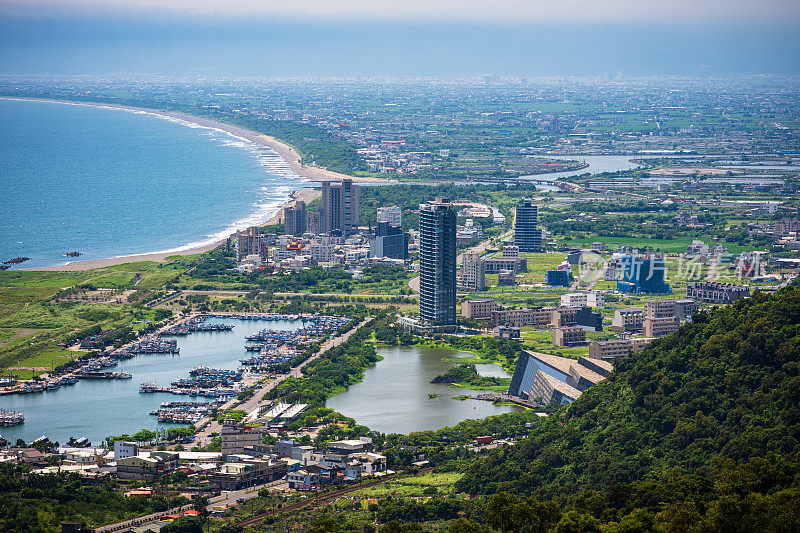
point(200, 504)
point(185, 524)
point(575, 522)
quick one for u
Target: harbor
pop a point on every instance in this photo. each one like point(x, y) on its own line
point(92, 407)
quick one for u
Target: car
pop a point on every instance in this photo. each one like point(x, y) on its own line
point(240, 500)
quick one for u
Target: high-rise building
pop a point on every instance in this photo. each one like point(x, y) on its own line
point(437, 263)
point(389, 241)
point(340, 209)
point(473, 272)
point(391, 215)
point(294, 219)
point(526, 235)
point(250, 242)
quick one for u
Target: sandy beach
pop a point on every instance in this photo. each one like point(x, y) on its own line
point(288, 153)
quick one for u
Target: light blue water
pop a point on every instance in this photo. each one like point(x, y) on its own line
point(98, 409)
point(108, 182)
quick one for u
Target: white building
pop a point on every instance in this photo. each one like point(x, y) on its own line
point(125, 449)
point(322, 253)
point(393, 215)
point(581, 299)
point(473, 276)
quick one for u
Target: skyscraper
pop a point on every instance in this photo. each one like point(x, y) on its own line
point(437, 263)
point(526, 235)
point(294, 219)
point(340, 209)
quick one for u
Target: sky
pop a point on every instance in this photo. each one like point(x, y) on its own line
point(400, 38)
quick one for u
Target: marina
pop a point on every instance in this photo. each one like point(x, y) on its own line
point(91, 407)
point(11, 418)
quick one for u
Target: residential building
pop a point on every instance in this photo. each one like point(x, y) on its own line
point(478, 309)
point(235, 437)
point(659, 327)
point(389, 241)
point(365, 463)
point(322, 253)
point(685, 308)
point(250, 242)
point(569, 336)
point(717, 293)
point(526, 235)
point(124, 449)
point(347, 447)
point(697, 248)
point(506, 277)
point(522, 317)
point(659, 308)
point(473, 272)
point(506, 332)
point(510, 251)
point(437, 293)
point(515, 264)
point(580, 299)
point(609, 350)
point(307, 478)
point(248, 472)
point(295, 219)
point(563, 316)
point(147, 467)
point(392, 215)
point(643, 274)
point(680, 309)
point(628, 320)
point(340, 207)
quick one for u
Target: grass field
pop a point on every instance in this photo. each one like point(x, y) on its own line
point(412, 486)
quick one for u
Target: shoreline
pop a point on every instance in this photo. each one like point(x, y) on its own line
point(288, 153)
point(307, 195)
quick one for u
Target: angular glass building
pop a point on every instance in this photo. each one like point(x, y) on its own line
point(643, 274)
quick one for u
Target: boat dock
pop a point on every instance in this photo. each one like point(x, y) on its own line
point(11, 418)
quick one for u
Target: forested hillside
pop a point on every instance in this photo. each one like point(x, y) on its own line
point(699, 430)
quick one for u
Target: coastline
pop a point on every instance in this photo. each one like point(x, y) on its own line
point(306, 195)
point(286, 152)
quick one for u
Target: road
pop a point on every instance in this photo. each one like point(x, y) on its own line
point(253, 403)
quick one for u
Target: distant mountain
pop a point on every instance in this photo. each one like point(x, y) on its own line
point(702, 427)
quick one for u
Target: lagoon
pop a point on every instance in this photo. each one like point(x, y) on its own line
point(393, 396)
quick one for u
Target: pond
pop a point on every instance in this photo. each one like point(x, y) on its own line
point(394, 395)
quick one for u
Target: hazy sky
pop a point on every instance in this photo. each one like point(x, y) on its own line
point(400, 37)
point(516, 11)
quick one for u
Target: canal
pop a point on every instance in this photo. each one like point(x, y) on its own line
point(98, 409)
point(394, 394)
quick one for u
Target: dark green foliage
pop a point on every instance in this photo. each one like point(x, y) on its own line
point(185, 524)
point(41, 502)
point(704, 422)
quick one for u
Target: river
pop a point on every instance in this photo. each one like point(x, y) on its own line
point(393, 396)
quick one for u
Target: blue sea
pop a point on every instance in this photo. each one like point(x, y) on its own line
point(108, 182)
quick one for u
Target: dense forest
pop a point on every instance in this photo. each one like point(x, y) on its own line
point(699, 431)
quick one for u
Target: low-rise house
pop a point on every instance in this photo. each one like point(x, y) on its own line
point(307, 478)
point(147, 467)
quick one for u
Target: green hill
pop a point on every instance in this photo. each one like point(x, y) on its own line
point(701, 426)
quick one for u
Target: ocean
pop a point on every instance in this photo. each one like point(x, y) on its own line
point(107, 182)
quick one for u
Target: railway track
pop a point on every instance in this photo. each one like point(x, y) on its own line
point(323, 498)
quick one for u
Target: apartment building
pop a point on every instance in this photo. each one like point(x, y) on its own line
point(717, 293)
point(628, 320)
point(580, 299)
point(569, 336)
point(659, 327)
point(609, 350)
point(478, 309)
point(515, 264)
